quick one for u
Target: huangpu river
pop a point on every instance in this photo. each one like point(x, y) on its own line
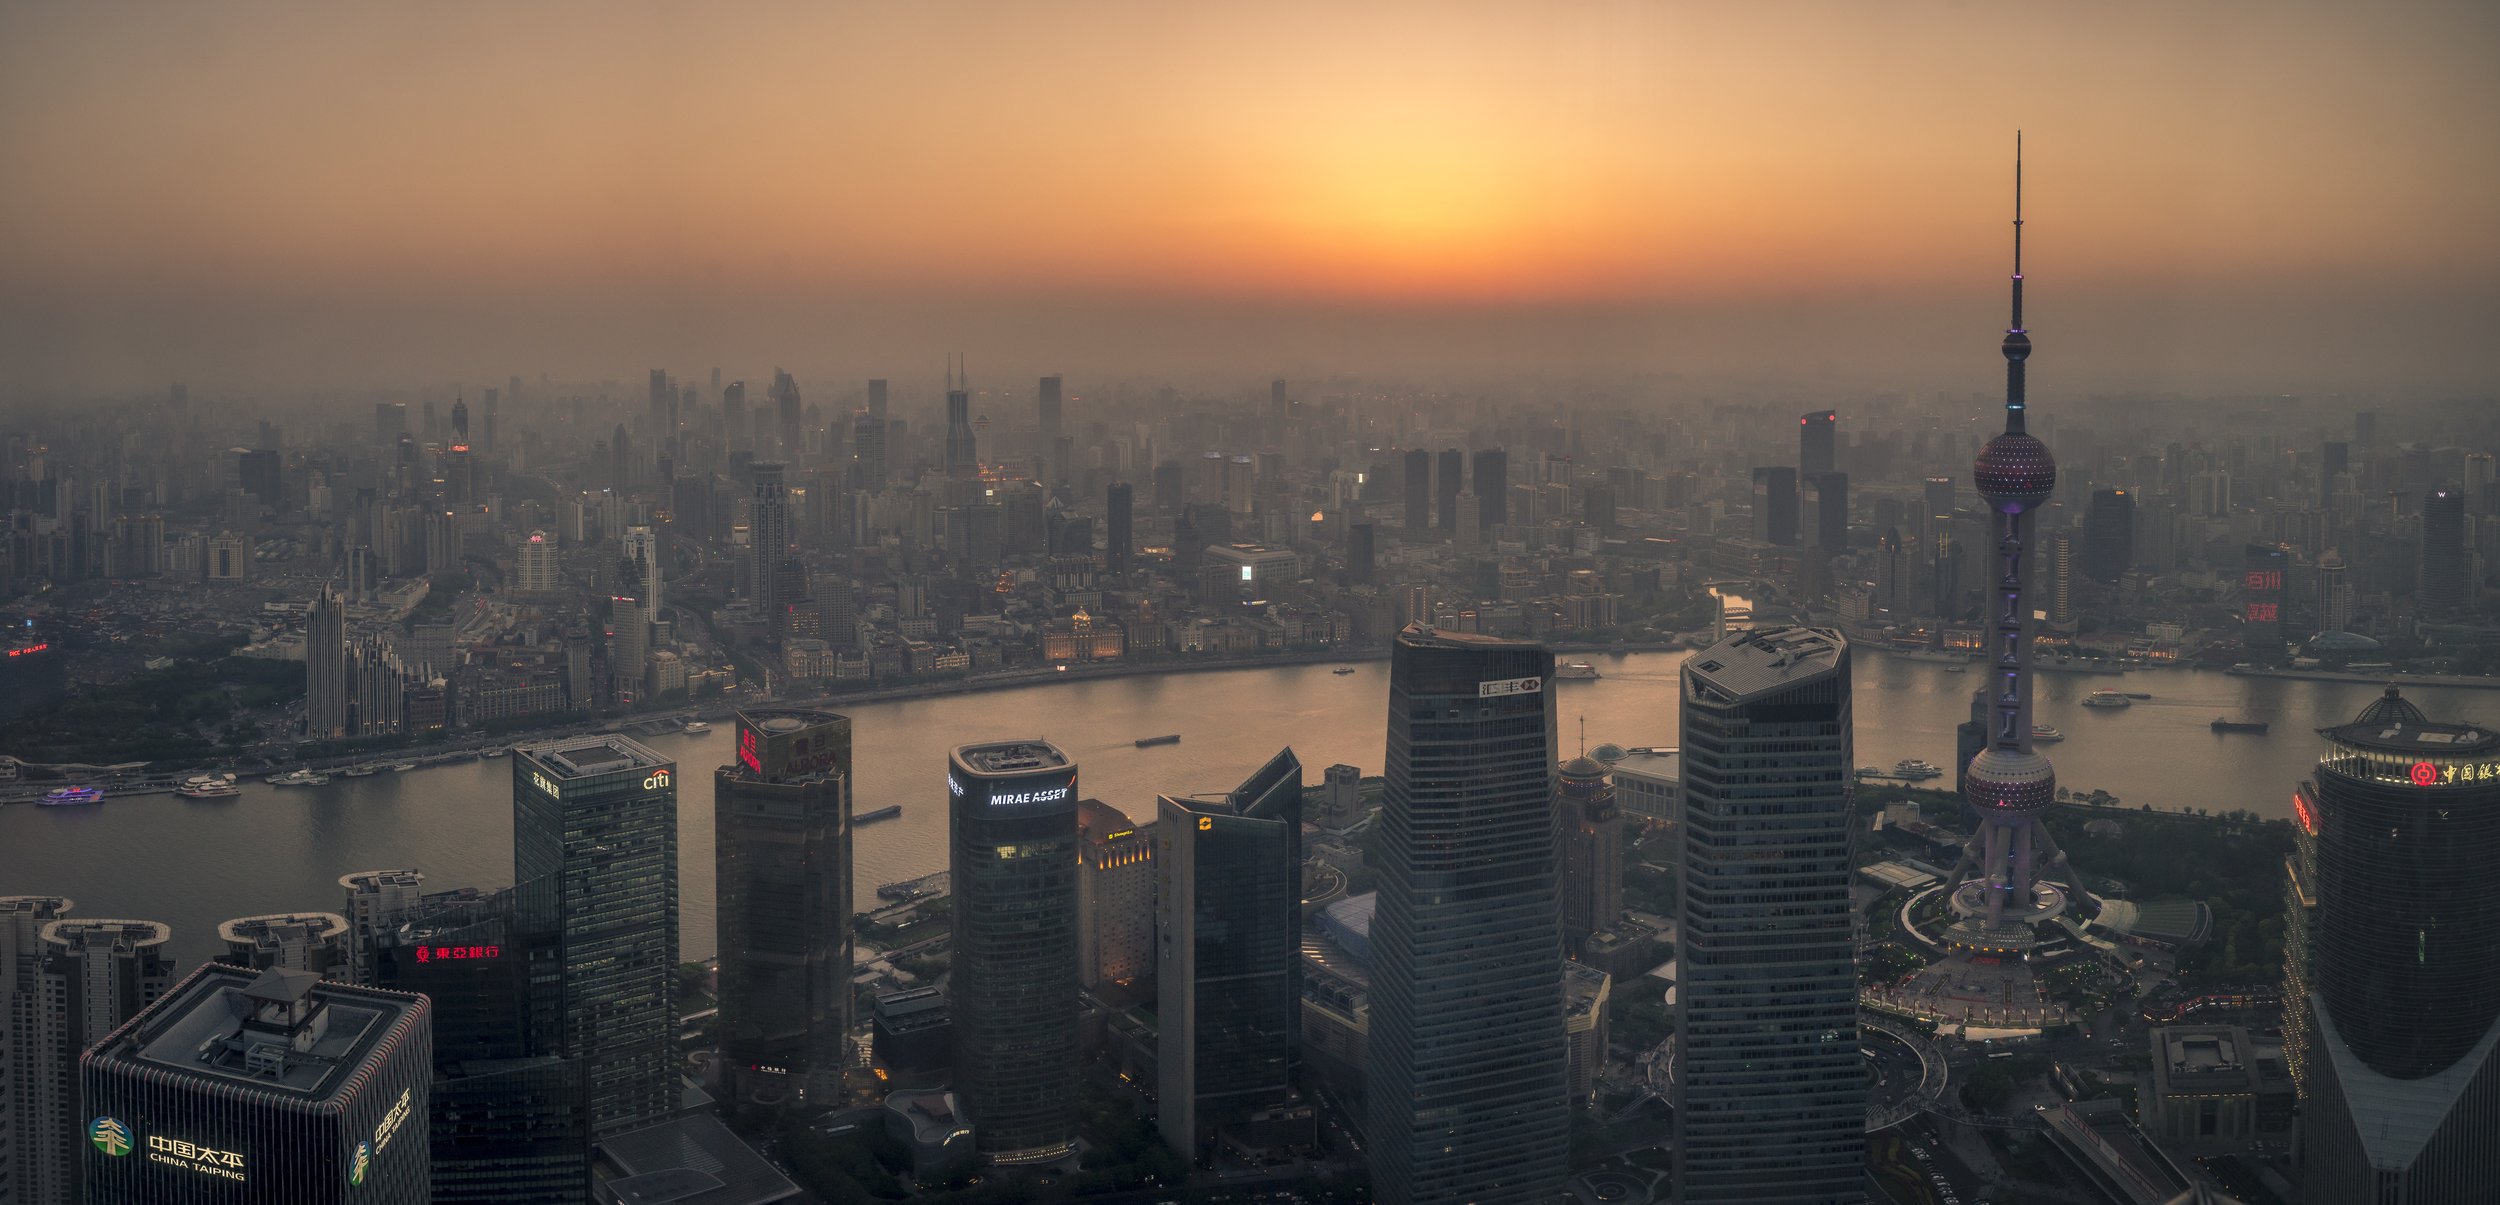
point(193, 864)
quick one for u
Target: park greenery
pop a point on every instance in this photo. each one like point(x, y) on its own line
point(179, 716)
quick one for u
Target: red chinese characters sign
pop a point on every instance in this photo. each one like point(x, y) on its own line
point(455, 953)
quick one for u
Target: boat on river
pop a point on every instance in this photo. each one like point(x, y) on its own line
point(2226, 724)
point(1575, 671)
point(299, 778)
point(208, 786)
point(73, 796)
point(2108, 698)
point(1148, 742)
point(2042, 734)
point(1916, 770)
point(884, 813)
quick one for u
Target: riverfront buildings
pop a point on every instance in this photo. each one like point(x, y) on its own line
point(274, 1087)
point(1467, 1061)
point(71, 986)
point(1013, 855)
point(594, 851)
point(1230, 959)
point(1770, 1099)
point(782, 839)
point(2401, 1087)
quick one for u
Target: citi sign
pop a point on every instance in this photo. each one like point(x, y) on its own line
point(659, 778)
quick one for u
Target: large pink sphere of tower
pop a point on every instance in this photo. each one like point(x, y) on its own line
point(2011, 782)
point(2015, 472)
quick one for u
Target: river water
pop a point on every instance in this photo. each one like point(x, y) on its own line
point(193, 864)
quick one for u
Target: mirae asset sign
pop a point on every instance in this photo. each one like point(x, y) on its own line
point(1500, 687)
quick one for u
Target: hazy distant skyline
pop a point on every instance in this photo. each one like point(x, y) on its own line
point(2257, 196)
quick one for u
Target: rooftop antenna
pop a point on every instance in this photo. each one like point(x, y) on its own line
point(1584, 736)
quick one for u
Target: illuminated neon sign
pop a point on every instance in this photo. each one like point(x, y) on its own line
point(2308, 818)
point(750, 751)
point(1504, 687)
point(32, 648)
point(2425, 774)
point(544, 783)
point(2264, 579)
point(659, 778)
point(456, 953)
point(391, 1121)
point(1019, 798)
point(2264, 612)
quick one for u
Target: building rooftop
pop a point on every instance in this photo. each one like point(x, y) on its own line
point(2392, 724)
point(1001, 759)
point(582, 757)
point(1420, 636)
point(691, 1160)
point(251, 928)
point(278, 1030)
point(2203, 1060)
point(1658, 763)
point(1765, 659)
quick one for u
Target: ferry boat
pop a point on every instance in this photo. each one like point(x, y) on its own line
point(363, 771)
point(2225, 724)
point(2108, 698)
point(2042, 734)
point(403, 767)
point(1145, 742)
point(208, 786)
point(883, 813)
point(497, 751)
point(1342, 670)
point(1914, 769)
point(1575, 671)
point(72, 796)
point(696, 728)
point(298, 778)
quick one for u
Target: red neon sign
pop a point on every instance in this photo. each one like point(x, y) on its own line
point(2424, 774)
point(2263, 612)
point(455, 953)
point(750, 754)
point(32, 648)
point(2308, 819)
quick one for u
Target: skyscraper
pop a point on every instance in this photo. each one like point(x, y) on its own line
point(1817, 434)
point(2109, 536)
point(1013, 849)
point(963, 459)
point(1115, 896)
point(1775, 505)
point(1591, 832)
point(1418, 466)
point(1936, 518)
point(2058, 569)
point(312, 942)
point(769, 533)
point(377, 901)
point(325, 666)
point(781, 820)
point(1829, 494)
point(1492, 486)
point(1446, 484)
point(786, 411)
point(92, 975)
point(2445, 585)
point(2402, 1091)
point(27, 1133)
point(262, 1088)
point(1230, 961)
point(1121, 542)
point(1997, 891)
point(510, 1111)
point(1047, 425)
point(2265, 573)
point(2334, 459)
point(594, 852)
point(1770, 1099)
point(1466, 1093)
point(2334, 594)
point(1361, 552)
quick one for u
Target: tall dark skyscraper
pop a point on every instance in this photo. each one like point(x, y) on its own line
point(1492, 486)
point(1936, 517)
point(1466, 1095)
point(1818, 435)
point(1418, 465)
point(788, 418)
point(594, 851)
point(2445, 584)
point(963, 458)
point(1446, 483)
point(1770, 1099)
point(325, 666)
point(2264, 576)
point(74, 982)
point(1362, 553)
point(1590, 827)
point(768, 535)
point(2109, 536)
point(1229, 966)
point(1119, 505)
point(1047, 422)
point(271, 1087)
point(781, 819)
point(510, 1111)
point(1998, 892)
point(1013, 839)
point(2401, 1095)
point(1829, 495)
point(2334, 459)
point(1775, 505)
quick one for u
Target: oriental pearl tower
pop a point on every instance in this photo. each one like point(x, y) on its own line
point(1998, 894)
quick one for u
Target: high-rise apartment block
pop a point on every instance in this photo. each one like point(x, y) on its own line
point(594, 855)
point(1770, 1099)
point(1014, 860)
point(1466, 1096)
point(782, 839)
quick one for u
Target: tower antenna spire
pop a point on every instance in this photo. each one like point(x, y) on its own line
point(2017, 340)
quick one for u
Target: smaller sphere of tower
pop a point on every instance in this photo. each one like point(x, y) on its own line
point(2017, 345)
point(2015, 471)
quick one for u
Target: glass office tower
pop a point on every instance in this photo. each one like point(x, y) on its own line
point(1466, 1097)
point(781, 819)
point(1013, 842)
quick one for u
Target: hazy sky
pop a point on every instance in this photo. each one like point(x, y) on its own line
point(2270, 194)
